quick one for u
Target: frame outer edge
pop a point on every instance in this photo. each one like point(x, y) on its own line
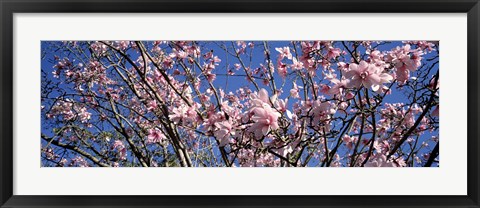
point(6, 115)
point(7, 8)
point(473, 146)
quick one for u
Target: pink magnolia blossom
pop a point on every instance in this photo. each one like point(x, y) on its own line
point(284, 53)
point(287, 149)
point(375, 55)
point(431, 85)
point(123, 44)
point(294, 92)
point(183, 113)
point(265, 118)
point(282, 69)
point(237, 66)
point(50, 154)
point(349, 141)
point(380, 160)
point(261, 98)
point(338, 87)
point(382, 146)
point(120, 147)
point(84, 115)
point(152, 105)
point(297, 64)
point(216, 59)
point(367, 75)
point(155, 136)
point(210, 76)
point(242, 45)
point(63, 162)
point(322, 111)
point(208, 55)
point(225, 130)
point(79, 161)
point(405, 61)
point(281, 105)
point(333, 52)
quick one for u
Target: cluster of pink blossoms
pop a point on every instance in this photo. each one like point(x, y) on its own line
point(265, 118)
point(194, 103)
point(69, 111)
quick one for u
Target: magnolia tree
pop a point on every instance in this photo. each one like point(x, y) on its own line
point(240, 103)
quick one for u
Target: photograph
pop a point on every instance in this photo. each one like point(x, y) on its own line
point(240, 103)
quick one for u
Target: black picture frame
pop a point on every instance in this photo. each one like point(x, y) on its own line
point(10, 7)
